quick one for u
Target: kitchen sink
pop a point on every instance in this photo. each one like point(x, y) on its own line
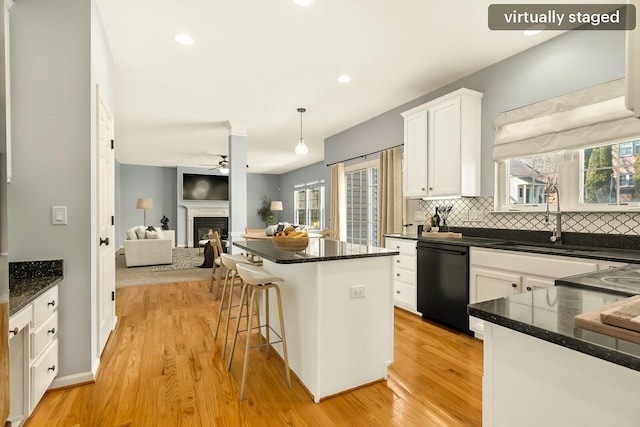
point(540, 247)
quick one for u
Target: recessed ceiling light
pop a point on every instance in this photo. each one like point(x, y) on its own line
point(534, 29)
point(344, 78)
point(183, 39)
point(303, 2)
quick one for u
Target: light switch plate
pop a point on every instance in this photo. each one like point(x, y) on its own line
point(58, 215)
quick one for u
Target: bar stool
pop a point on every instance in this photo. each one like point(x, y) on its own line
point(258, 279)
point(230, 262)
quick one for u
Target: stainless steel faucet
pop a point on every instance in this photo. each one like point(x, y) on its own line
point(552, 187)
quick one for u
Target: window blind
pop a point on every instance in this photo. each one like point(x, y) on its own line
point(576, 120)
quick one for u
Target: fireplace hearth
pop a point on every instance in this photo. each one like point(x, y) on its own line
point(202, 225)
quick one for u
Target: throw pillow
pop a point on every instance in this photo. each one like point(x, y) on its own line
point(160, 234)
point(151, 234)
point(131, 235)
point(140, 232)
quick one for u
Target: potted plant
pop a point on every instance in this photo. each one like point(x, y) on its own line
point(264, 212)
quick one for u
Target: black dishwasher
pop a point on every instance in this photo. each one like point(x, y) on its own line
point(443, 284)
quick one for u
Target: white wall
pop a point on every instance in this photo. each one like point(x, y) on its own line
point(54, 73)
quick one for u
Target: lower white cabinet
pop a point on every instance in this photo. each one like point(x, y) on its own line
point(497, 273)
point(405, 293)
point(33, 354)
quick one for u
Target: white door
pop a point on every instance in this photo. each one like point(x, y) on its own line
point(106, 285)
point(415, 154)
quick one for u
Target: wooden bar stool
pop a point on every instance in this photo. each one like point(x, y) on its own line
point(258, 279)
point(230, 262)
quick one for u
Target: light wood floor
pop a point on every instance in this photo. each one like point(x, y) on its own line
point(162, 368)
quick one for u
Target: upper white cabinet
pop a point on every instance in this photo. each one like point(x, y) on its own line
point(442, 147)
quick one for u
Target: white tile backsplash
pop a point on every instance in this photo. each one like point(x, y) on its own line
point(579, 222)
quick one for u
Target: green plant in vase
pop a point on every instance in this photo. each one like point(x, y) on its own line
point(264, 212)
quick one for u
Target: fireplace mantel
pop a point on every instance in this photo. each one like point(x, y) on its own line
point(202, 211)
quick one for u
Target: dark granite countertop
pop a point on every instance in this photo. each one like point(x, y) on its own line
point(533, 242)
point(317, 251)
point(30, 279)
point(548, 314)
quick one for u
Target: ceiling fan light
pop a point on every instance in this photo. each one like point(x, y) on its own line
point(301, 148)
point(224, 170)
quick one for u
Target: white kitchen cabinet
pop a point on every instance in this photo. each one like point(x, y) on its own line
point(442, 147)
point(496, 273)
point(404, 273)
point(33, 347)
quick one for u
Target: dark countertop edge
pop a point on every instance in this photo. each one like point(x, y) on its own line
point(591, 349)
point(605, 254)
point(13, 310)
point(271, 258)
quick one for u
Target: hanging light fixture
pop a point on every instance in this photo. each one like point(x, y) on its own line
point(301, 147)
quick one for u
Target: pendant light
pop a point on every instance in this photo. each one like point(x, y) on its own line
point(301, 147)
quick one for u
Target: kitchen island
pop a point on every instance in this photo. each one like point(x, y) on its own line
point(337, 300)
point(540, 369)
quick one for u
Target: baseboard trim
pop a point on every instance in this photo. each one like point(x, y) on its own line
point(72, 380)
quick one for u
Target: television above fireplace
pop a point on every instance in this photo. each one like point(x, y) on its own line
point(205, 187)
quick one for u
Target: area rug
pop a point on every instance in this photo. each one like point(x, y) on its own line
point(183, 259)
point(136, 276)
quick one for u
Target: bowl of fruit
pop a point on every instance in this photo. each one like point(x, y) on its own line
point(291, 240)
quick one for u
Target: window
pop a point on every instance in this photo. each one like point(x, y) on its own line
point(600, 178)
point(528, 177)
point(309, 204)
point(362, 204)
point(607, 174)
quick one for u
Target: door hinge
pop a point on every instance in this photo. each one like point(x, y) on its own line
point(113, 220)
point(113, 295)
point(112, 144)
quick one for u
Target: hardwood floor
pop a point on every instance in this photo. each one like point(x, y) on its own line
point(162, 368)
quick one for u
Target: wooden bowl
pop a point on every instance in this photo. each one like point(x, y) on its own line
point(292, 244)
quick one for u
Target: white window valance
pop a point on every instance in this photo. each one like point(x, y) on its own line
point(579, 119)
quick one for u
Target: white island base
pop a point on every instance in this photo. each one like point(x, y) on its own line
point(531, 382)
point(337, 340)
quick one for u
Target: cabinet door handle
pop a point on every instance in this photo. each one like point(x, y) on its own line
point(397, 261)
point(397, 247)
point(14, 331)
point(51, 331)
point(51, 368)
point(397, 292)
point(529, 288)
point(52, 303)
point(397, 274)
point(430, 188)
point(104, 241)
point(513, 285)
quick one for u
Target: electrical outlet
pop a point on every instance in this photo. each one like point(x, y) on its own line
point(476, 216)
point(357, 291)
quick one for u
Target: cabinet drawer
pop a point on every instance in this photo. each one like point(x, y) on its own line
point(20, 320)
point(43, 335)
point(406, 262)
point(405, 247)
point(45, 305)
point(406, 276)
point(43, 371)
point(405, 294)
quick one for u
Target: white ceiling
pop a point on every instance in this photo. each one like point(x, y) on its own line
point(254, 62)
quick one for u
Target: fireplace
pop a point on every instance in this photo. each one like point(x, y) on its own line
point(202, 225)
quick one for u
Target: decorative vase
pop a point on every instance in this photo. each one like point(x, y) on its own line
point(270, 230)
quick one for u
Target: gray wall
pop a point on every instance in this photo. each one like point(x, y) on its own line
point(59, 54)
point(156, 183)
point(572, 61)
point(300, 176)
point(258, 186)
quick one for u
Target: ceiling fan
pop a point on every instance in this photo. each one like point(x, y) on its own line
point(223, 165)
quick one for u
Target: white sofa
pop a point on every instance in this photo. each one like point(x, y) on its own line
point(148, 251)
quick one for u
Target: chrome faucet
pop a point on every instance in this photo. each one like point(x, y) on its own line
point(552, 187)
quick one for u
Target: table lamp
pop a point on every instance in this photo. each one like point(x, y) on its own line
point(144, 204)
point(276, 206)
